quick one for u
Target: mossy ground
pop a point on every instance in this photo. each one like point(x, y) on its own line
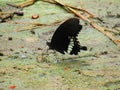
point(95, 69)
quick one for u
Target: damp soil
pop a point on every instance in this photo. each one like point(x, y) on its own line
point(26, 63)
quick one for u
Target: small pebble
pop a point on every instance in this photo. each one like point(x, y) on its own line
point(19, 13)
point(9, 38)
point(11, 49)
point(22, 56)
point(35, 16)
point(1, 35)
point(12, 87)
point(1, 54)
point(39, 48)
point(104, 53)
point(33, 32)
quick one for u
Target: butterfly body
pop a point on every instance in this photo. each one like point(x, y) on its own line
point(64, 33)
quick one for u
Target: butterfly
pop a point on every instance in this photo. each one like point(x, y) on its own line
point(66, 33)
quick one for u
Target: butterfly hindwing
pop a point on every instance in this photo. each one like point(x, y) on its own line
point(76, 47)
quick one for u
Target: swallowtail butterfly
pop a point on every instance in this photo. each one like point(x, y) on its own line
point(66, 33)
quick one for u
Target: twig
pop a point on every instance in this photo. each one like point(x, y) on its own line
point(111, 30)
point(79, 15)
point(94, 25)
point(74, 11)
point(33, 25)
point(27, 3)
point(102, 29)
point(12, 5)
point(65, 5)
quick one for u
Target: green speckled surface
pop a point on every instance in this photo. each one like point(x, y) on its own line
point(95, 69)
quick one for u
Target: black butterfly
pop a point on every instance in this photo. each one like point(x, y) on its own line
point(63, 35)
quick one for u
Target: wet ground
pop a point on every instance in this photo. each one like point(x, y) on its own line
point(25, 63)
